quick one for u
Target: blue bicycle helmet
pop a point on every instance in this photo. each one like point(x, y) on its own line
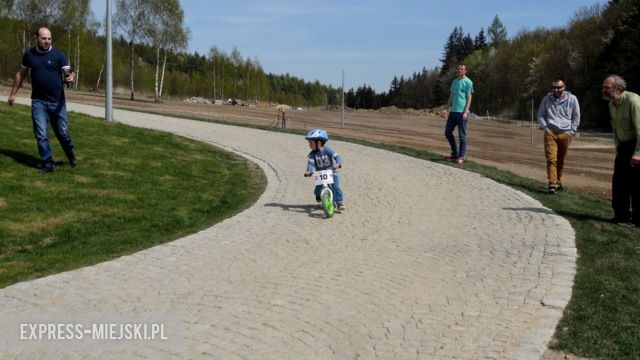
point(317, 134)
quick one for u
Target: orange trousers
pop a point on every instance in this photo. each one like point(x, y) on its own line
point(555, 149)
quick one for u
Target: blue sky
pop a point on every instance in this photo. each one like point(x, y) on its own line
point(371, 40)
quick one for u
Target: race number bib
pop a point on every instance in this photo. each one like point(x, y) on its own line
point(323, 177)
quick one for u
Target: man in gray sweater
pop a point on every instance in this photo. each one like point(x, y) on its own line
point(559, 116)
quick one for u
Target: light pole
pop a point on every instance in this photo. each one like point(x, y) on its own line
point(108, 98)
point(342, 122)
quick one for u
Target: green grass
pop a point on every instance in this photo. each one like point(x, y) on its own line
point(602, 319)
point(132, 189)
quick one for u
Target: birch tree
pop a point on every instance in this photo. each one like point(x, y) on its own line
point(247, 84)
point(258, 68)
point(167, 33)
point(217, 58)
point(236, 59)
point(6, 7)
point(178, 41)
point(76, 15)
point(132, 19)
point(41, 12)
point(32, 12)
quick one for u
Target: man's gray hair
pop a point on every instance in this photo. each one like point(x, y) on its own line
point(618, 82)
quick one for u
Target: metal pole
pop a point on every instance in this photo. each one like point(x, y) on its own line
point(531, 122)
point(342, 123)
point(108, 99)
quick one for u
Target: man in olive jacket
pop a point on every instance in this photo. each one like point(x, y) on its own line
point(624, 110)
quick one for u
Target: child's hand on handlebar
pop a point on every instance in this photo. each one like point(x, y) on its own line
point(337, 166)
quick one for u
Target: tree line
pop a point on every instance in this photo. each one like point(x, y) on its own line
point(510, 74)
point(150, 57)
point(149, 53)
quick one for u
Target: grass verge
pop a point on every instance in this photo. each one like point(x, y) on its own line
point(133, 188)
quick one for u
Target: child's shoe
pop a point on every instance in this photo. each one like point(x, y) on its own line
point(340, 206)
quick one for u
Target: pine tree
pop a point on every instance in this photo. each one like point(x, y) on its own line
point(394, 91)
point(497, 32)
point(480, 41)
point(466, 47)
point(440, 92)
point(451, 50)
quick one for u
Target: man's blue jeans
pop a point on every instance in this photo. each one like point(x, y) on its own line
point(43, 113)
point(454, 120)
point(337, 191)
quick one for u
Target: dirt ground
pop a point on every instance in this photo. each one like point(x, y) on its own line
point(505, 145)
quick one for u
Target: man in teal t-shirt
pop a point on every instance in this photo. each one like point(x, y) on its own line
point(458, 103)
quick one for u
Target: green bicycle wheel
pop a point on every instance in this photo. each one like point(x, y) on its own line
point(327, 203)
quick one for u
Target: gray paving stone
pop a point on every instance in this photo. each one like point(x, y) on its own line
point(427, 262)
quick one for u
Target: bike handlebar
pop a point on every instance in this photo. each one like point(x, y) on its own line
point(335, 167)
